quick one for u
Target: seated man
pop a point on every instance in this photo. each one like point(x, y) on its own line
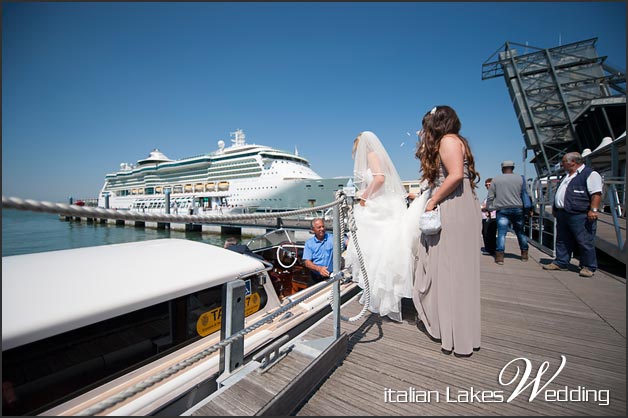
point(318, 252)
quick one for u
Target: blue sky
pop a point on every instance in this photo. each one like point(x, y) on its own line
point(87, 86)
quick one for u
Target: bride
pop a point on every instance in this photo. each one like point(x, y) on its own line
point(386, 230)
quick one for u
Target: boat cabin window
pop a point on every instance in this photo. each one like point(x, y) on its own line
point(45, 373)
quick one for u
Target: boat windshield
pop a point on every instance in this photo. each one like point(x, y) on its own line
point(269, 240)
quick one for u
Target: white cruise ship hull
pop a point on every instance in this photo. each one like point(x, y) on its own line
point(240, 178)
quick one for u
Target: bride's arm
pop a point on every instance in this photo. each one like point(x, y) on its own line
point(452, 156)
point(378, 177)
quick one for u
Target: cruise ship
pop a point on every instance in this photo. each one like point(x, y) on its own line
point(239, 178)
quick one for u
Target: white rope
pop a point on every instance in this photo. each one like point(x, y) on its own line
point(90, 212)
point(346, 211)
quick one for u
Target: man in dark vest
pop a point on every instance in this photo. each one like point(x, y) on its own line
point(576, 205)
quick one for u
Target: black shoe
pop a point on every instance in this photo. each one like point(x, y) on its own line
point(421, 327)
point(463, 355)
point(446, 352)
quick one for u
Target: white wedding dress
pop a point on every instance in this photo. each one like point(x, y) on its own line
point(387, 233)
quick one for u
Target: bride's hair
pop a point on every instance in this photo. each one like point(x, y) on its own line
point(356, 141)
point(437, 123)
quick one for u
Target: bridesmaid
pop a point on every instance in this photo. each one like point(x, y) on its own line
point(447, 273)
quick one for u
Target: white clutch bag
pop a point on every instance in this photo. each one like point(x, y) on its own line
point(429, 222)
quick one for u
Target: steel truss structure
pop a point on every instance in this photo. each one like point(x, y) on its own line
point(566, 98)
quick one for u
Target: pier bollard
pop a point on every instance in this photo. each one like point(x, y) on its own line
point(232, 322)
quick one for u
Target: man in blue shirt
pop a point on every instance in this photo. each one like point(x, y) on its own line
point(318, 253)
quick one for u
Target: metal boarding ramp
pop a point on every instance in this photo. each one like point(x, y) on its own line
point(567, 98)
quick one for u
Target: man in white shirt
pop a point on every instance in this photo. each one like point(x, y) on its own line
point(576, 205)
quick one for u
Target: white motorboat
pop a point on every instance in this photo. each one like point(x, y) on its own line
point(82, 325)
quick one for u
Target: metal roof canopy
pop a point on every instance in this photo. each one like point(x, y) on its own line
point(554, 90)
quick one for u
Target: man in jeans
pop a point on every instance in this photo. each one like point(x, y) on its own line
point(504, 196)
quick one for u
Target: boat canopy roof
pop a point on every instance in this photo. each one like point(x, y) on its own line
point(48, 293)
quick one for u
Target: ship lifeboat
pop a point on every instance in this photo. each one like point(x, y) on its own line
point(223, 185)
point(198, 187)
point(209, 187)
point(188, 188)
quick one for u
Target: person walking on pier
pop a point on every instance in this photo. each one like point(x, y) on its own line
point(576, 205)
point(447, 272)
point(504, 196)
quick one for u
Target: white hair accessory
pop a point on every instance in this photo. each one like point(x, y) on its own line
point(433, 110)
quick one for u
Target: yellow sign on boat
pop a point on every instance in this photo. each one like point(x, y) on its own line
point(209, 322)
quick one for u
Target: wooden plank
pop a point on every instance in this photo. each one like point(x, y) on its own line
point(526, 312)
point(290, 397)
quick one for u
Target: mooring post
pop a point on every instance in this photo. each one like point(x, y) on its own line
point(336, 265)
point(167, 200)
point(232, 322)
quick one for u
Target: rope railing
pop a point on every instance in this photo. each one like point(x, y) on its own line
point(346, 211)
point(90, 212)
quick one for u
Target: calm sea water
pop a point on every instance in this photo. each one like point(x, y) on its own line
point(26, 232)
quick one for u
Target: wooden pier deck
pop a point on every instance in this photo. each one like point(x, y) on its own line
point(526, 312)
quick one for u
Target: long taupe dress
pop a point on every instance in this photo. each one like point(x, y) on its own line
point(447, 272)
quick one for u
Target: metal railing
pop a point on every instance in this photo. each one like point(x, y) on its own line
point(541, 226)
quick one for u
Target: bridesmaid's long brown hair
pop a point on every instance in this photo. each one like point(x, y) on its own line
point(437, 123)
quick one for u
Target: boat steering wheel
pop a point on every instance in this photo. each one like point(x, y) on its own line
point(287, 251)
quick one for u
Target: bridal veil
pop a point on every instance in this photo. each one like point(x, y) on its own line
point(381, 229)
